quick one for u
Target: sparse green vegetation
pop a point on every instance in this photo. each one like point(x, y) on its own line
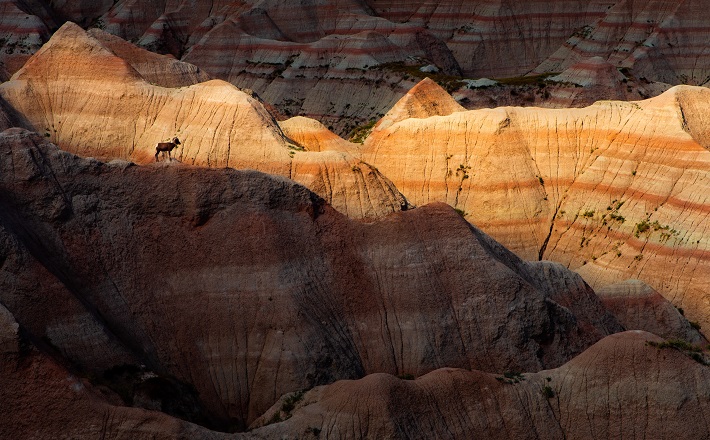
point(526, 80)
point(677, 344)
point(461, 212)
point(511, 377)
point(287, 406)
point(276, 418)
point(360, 133)
point(588, 214)
point(617, 217)
point(683, 346)
point(448, 82)
point(290, 402)
point(641, 227)
point(695, 325)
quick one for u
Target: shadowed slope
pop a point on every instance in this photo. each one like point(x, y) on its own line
point(619, 388)
point(248, 286)
point(615, 190)
point(80, 93)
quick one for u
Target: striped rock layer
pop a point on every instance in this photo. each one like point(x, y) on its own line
point(616, 190)
point(90, 93)
point(622, 387)
point(347, 62)
point(236, 287)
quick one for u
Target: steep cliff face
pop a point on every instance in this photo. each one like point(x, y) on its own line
point(660, 40)
point(622, 387)
point(246, 286)
point(615, 190)
point(90, 93)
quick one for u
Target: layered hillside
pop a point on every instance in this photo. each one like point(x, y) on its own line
point(660, 40)
point(637, 306)
point(622, 387)
point(21, 34)
point(615, 190)
point(241, 286)
point(45, 400)
point(92, 94)
point(347, 62)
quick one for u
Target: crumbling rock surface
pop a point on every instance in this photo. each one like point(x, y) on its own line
point(90, 94)
point(161, 70)
point(45, 400)
point(247, 286)
point(347, 62)
point(614, 191)
point(622, 387)
point(638, 307)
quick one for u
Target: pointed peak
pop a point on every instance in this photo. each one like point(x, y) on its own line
point(313, 135)
point(425, 99)
point(75, 53)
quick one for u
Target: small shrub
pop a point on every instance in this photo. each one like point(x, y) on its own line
point(695, 325)
point(360, 133)
point(548, 392)
point(406, 376)
point(290, 402)
point(276, 418)
point(541, 180)
point(461, 212)
point(642, 227)
point(313, 430)
point(617, 217)
point(588, 214)
point(511, 377)
point(677, 344)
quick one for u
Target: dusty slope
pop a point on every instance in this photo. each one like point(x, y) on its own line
point(616, 190)
point(248, 286)
point(619, 388)
point(89, 93)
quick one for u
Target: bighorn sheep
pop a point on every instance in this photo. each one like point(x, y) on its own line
point(166, 146)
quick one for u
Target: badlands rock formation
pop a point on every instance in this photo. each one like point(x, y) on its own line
point(90, 94)
point(347, 62)
point(243, 287)
point(660, 40)
point(622, 387)
point(637, 306)
point(21, 35)
point(45, 400)
point(615, 190)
